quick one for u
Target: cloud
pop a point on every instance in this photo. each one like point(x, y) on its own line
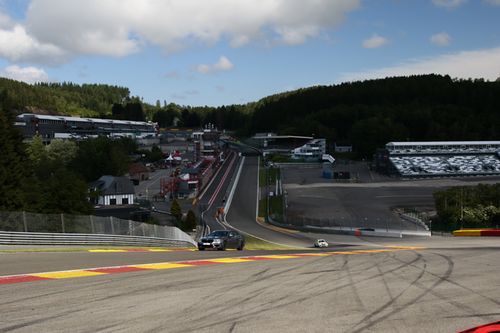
point(61, 29)
point(441, 39)
point(27, 74)
point(374, 42)
point(18, 46)
point(224, 64)
point(465, 64)
point(493, 2)
point(5, 21)
point(449, 3)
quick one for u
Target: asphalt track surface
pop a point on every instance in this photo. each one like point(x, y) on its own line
point(449, 286)
point(216, 192)
point(242, 214)
point(446, 285)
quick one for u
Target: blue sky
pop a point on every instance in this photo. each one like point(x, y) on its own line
point(216, 52)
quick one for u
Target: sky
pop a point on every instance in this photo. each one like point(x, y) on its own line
point(220, 52)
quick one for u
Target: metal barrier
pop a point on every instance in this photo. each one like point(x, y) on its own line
point(19, 226)
point(41, 238)
point(387, 222)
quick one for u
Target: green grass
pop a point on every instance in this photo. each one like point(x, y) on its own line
point(253, 243)
point(263, 207)
point(276, 205)
point(271, 173)
point(262, 177)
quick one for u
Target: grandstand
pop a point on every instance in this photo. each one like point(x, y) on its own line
point(50, 127)
point(448, 158)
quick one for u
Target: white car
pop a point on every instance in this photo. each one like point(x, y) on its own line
point(320, 243)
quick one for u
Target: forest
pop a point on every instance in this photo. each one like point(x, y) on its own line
point(366, 114)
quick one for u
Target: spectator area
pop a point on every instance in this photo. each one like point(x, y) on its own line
point(446, 165)
point(450, 158)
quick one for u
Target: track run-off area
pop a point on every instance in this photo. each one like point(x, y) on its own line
point(357, 284)
point(441, 284)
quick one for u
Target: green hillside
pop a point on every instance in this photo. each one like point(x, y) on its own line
point(368, 114)
point(62, 98)
point(365, 114)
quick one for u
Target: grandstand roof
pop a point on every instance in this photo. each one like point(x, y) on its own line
point(78, 119)
point(282, 137)
point(443, 143)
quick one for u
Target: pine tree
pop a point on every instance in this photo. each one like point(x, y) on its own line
point(14, 165)
point(176, 211)
point(36, 150)
point(190, 222)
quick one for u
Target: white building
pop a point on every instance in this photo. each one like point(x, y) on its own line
point(311, 151)
point(112, 190)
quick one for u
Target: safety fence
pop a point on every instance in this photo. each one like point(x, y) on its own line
point(22, 225)
point(388, 222)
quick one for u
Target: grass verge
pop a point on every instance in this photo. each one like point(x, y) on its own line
point(253, 243)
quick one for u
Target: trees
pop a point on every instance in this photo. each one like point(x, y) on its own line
point(63, 191)
point(62, 150)
point(190, 221)
point(36, 150)
point(102, 156)
point(371, 113)
point(165, 118)
point(64, 98)
point(176, 211)
point(468, 207)
point(15, 169)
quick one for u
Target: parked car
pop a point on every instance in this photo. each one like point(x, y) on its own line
point(221, 240)
point(320, 243)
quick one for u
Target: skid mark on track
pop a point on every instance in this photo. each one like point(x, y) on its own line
point(459, 305)
point(447, 258)
point(44, 276)
point(354, 288)
point(425, 291)
point(284, 301)
point(370, 317)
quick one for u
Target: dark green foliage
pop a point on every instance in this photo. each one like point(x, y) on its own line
point(103, 156)
point(190, 221)
point(131, 111)
point(176, 211)
point(156, 153)
point(42, 185)
point(190, 119)
point(151, 156)
point(165, 118)
point(468, 207)
point(63, 98)
point(369, 114)
point(62, 191)
point(14, 164)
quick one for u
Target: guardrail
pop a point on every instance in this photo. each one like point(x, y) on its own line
point(357, 231)
point(56, 229)
point(42, 238)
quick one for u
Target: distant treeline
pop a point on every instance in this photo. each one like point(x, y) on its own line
point(371, 113)
point(365, 114)
point(62, 98)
